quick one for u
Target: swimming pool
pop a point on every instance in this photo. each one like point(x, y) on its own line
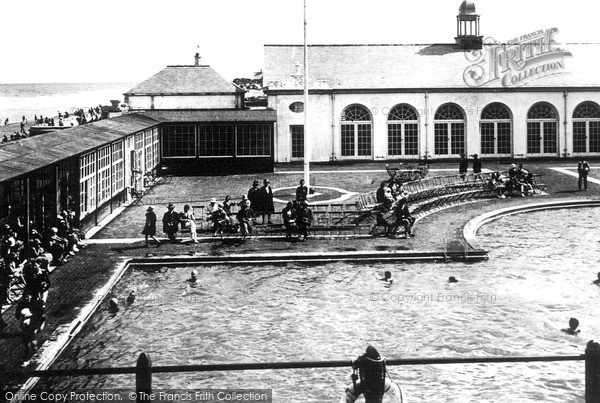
point(538, 276)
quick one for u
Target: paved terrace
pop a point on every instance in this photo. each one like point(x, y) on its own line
point(74, 284)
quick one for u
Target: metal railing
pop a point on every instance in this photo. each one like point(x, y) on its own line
point(144, 368)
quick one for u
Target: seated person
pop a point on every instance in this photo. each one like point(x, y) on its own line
point(244, 217)
point(220, 219)
point(57, 246)
point(497, 182)
point(244, 200)
point(572, 330)
point(187, 220)
point(288, 214)
point(403, 217)
point(304, 217)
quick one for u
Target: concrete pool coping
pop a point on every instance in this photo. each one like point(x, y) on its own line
point(470, 229)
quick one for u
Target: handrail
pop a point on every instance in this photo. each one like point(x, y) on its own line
point(284, 365)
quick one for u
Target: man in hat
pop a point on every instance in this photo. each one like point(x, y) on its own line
point(371, 381)
point(304, 217)
point(171, 222)
point(583, 168)
point(254, 195)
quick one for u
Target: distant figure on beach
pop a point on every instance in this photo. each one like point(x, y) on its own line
point(597, 281)
point(387, 277)
point(4, 139)
point(6, 122)
point(572, 330)
point(193, 276)
point(452, 279)
point(150, 226)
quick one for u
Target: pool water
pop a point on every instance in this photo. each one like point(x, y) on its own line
point(539, 275)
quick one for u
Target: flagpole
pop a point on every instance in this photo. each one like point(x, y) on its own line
point(307, 139)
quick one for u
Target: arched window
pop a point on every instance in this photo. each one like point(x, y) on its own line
point(586, 128)
point(449, 130)
point(403, 131)
point(356, 132)
point(496, 130)
point(542, 129)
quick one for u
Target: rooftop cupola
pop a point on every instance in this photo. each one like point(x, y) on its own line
point(467, 27)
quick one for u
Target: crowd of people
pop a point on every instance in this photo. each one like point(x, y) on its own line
point(519, 180)
point(82, 116)
point(25, 259)
point(223, 218)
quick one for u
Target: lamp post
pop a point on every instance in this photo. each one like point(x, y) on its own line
point(307, 139)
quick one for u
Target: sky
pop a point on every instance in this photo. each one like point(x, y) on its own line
point(130, 40)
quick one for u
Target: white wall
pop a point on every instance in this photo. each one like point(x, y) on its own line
point(325, 112)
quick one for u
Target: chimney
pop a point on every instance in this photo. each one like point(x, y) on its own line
point(197, 59)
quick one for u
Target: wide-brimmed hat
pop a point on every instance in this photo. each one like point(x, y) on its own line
point(171, 205)
point(150, 208)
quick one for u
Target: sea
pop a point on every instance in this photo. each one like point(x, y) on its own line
point(48, 99)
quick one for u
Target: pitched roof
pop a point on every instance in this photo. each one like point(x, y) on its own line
point(225, 115)
point(178, 80)
point(19, 157)
point(387, 66)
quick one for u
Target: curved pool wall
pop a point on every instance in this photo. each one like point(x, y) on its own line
point(470, 229)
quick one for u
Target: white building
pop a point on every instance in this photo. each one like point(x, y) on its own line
point(525, 98)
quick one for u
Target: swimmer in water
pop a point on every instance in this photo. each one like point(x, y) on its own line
point(193, 276)
point(572, 330)
point(387, 277)
point(597, 281)
point(131, 297)
point(452, 279)
point(113, 305)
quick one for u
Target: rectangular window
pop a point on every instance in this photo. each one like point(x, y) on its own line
point(411, 139)
point(87, 183)
point(148, 151)
point(104, 169)
point(579, 137)
point(179, 141)
point(503, 137)
point(348, 145)
point(487, 138)
point(297, 134)
point(253, 140)
point(594, 136)
point(457, 138)
point(533, 137)
point(117, 167)
point(216, 141)
point(364, 140)
point(155, 155)
point(394, 139)
point(550, 136)
point(441, 139)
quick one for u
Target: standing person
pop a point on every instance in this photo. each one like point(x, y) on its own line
point(304, 217)
point(301, 192)
point(187, 219)
point(170, 222)
point(267, 200)
point(463, 166)
point(150, 226)
point(288, 214)
point(477, 167)
point(254, 198)
point(583, 168)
